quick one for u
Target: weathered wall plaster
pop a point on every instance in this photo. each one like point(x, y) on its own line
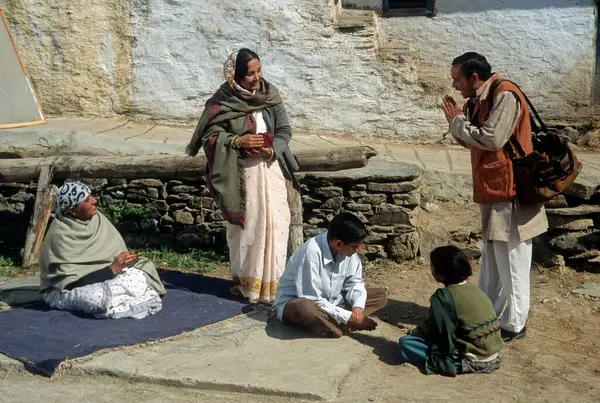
point(161, 59)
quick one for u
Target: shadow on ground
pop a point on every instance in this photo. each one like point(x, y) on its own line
point(402, 313)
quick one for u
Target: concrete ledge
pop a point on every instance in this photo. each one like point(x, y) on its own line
point(247, 355)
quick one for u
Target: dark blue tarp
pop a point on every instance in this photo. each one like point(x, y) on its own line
point(42, 338)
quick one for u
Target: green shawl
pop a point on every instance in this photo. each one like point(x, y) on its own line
point(228, 113)
point(74, 248)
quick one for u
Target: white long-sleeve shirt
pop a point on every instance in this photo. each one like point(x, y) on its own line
point(313, 273)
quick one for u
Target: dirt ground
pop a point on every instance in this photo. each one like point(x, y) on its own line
point(558, 361)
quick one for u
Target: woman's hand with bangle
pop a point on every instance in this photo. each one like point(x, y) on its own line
point(248, 141)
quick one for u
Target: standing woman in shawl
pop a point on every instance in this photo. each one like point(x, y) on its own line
point(245, 132)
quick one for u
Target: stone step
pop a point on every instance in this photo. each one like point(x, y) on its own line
point(575, 211)
point(355, 20)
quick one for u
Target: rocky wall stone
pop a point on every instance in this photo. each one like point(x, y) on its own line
point(179, 214)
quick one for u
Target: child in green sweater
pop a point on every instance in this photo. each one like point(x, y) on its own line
point(461, 333)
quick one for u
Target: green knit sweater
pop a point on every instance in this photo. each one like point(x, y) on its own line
point(478, 329)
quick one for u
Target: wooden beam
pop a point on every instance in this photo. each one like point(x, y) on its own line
point(296, 237)
point(164, 167)
point(39, 220)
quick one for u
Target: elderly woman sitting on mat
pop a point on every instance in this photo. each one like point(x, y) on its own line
point(85, 265)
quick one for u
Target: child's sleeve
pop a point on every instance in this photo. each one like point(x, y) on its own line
point(424, 329)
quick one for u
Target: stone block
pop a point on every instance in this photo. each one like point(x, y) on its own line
point(382, 229)
point(146, 183)
point(373, 251)
point(116, 182)
point(149, 225)
point(403, 228)
point(184, 189)
point(152, 193)
point(108, 200)
point(183, 217)
point(387, 214)
point(357, 193)
point(114, 189)
point(22, 197)
point(394, 187)
point(407, 199)
point(557, 202)
point(309, 202)
point(177, 206)
point(167, 229)
point(330, 191)
point(582, 188)
point(358, 207)
point(194, 237)
point(582, 210)
point(127, 227)
point(11, 210)
point(216, 216)
point(575, 241)
point(95, 185)
point(161, 205)
point(313, 231)
point(569, 223)
point(333, 203)
point(166, 219)
point(316, 221)
point(404, 246)
point(376, 238)
point(373, 199)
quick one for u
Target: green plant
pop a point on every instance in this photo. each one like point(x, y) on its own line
point(7, 261)
point(123, 211)
point(9, 267)
point(196, 260)
point(587, 127)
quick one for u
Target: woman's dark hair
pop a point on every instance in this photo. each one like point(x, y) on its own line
point(471, 63)
point(451, 263)
point(346, 227)
point(241, 63)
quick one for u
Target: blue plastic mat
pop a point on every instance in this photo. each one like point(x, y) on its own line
point(43, 338)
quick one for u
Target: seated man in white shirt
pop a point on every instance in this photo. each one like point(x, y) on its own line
point(322, 286)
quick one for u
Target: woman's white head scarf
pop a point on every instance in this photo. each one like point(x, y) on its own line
point(71, 194)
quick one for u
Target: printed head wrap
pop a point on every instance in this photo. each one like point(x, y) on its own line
point(71, 194)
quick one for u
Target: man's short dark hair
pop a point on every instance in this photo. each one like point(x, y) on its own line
point(451, 263)
point(471, 63)
point(348, 228)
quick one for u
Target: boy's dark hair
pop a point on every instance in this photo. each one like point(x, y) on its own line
point(244, 56)
point(471, 63)
point(346, 227)
point(452, 263)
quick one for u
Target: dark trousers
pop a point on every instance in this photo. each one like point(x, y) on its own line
point(304, 312)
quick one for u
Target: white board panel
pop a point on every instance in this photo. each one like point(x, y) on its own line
point(18, 102)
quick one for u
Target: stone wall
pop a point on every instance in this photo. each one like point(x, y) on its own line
point(179, 214)
point(574, 235)
point(350, 71)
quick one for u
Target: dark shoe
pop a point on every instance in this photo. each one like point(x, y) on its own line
point(508, 336)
